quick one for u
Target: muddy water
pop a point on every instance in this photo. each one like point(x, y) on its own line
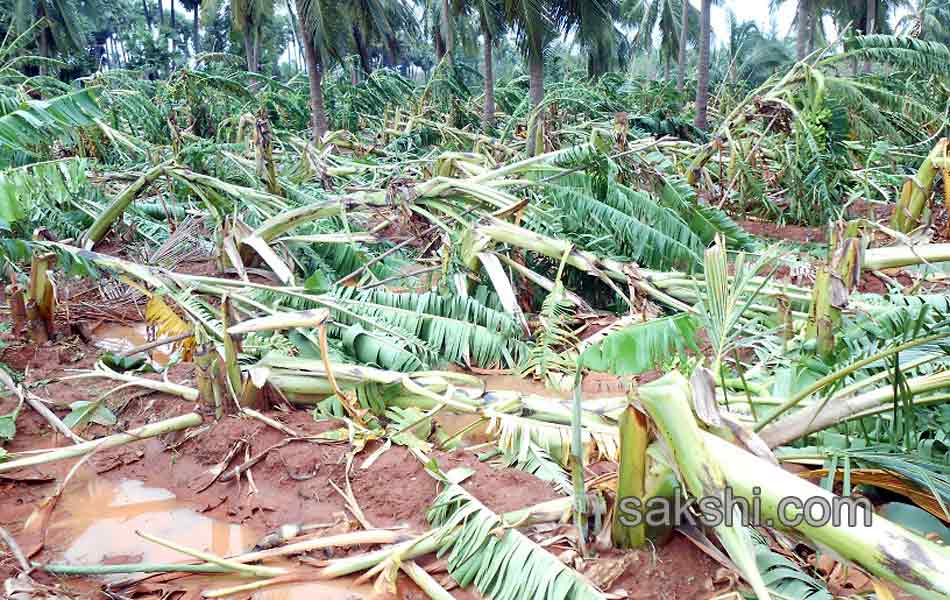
point(96, 520)
point(118, 337)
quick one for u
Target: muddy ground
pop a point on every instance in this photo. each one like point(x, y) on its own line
point(294, 484)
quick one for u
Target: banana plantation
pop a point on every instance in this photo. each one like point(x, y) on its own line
point(474, 299)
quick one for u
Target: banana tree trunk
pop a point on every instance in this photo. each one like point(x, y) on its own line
point(916, 191)
point(631, 476)
point(904, 256)
point(882, 548)
point(105, 219)
point(822, 415)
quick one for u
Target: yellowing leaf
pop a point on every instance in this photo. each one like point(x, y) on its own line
point(167, 323)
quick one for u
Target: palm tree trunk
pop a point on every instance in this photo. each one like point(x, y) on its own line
point(293, 31)
point(801, 42)
point(44, 49)
point(318, 111)
point(195, 31)
point(249, 51)
point(535, 91)
point(871, 17)
point(171, 19)
point(161, 14)
point(258, 46)
point(488, 114)
point(681, 73)
point(702, 87)
point(446, 25)
point(361, 50)
point(439, 46)
point(666, 69)
point(147, 13)
point(812, 25)
point(389, 53)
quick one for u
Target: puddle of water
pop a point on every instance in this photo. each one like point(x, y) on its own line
point(100, 519)
point(95, 522)
point(117, 337)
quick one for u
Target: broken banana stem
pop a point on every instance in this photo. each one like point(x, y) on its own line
point(119, 439)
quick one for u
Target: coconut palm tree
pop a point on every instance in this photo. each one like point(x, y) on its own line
point(687, 14)
point(866, 16)
point(492, 26)
point(536, 27)
point(662, 17)
point(62, 30)
point(749, 55)
point(403, 24)
point(247, 17)
point(327, 32)
point(808, 22)
point(537, 23)
point(599, 36)
point(194, 6)
point(702, 85)
point(928, 20)
point(741, 37)
point(324, 34)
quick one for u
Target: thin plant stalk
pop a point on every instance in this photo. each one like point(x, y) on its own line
point(119, 439)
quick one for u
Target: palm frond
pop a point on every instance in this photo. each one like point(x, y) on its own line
point(500, 562)
point(906, 51)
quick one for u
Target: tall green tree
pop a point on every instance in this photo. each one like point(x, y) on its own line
point(808, 22)
point(537, 23)
point(247, 18)
point(866, 16)
point(490, 17)
point(598, 35)
point(194, 6)
point(927, 20)
point(805, 17)
point(663, 18)
point(326, 31)
point(323, 32)
point(61, 31)
point(750, 56)
point(688, 14)
point(702, 85)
